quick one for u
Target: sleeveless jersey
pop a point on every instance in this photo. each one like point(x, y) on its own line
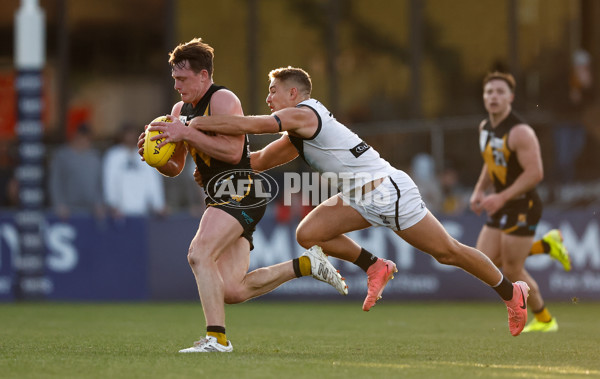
point(338, 153)
point(502, 163)
point(209, 166)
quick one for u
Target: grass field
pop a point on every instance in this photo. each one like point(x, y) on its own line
point(294, 340)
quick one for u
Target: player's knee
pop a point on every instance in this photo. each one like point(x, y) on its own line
point(192, 258)
point(234, 296)
point(304, 238)
point(233, 299)
point(197, 256)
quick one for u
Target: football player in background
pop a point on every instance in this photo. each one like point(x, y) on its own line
point(512, 169)
point(219, 253)
point(373, 193)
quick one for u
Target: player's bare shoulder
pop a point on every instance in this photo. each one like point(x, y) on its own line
point(521, 135)
point(225, 102)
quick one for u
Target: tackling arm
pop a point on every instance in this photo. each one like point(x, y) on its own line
point(236, 125)
point(225, 148)
point(300, 121)
point(274, 154)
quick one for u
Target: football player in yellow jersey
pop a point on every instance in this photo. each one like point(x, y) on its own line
point(506, 191)
point(219, 253)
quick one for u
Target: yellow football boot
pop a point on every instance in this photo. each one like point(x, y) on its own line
point(558, 251)
point(537, 326)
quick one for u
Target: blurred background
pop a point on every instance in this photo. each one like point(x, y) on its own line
point(404, 74)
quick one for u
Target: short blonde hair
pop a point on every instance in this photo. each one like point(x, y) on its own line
point(293, 74)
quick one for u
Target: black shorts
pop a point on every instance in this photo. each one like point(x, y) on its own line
point(518, 217)
point(247, 216)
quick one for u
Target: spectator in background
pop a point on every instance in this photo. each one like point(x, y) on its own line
point(9, 187)
point(454, 197)
point(75, 177)
point(570, 129)
point(183, 194)
point(423, 173)
point(131, 187)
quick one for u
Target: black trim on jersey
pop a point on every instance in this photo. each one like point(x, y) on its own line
point(210, 166)
point(504, 127)
point(513, 167)
point(318, 117)
point(397, 201)
point(203, 104)
point(298, 143)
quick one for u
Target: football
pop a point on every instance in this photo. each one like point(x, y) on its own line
point(154, 156)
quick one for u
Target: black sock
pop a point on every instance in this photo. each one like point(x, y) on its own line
point(504, 289)
point(365, 259)
point(296, 265)
point(546, 247)
point(215, 329)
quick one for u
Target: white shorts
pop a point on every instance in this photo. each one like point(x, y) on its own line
point(396, 203)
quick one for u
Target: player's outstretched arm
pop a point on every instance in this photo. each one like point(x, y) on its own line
point(236, 125)
point(226, 148)
point(299, 121)
point(274, 154)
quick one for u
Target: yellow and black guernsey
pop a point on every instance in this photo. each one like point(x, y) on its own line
point(230, 187)
point(518, 216)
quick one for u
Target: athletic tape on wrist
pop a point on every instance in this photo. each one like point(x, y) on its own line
point(278, 121)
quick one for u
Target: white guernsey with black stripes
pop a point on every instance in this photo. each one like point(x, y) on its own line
point(339, 154)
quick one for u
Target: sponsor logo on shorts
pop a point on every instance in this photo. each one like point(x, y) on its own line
point(248, 219)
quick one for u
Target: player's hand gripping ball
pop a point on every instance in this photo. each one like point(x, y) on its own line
point(154, 156)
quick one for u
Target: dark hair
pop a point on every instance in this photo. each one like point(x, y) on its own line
point(296, 75)
point(497, 75)
point(199, 55)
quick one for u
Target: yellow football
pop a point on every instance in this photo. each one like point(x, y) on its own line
point(154, 156)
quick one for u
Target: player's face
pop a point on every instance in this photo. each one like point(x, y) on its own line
point(279, 95)
point(189, 84)
point(497, 96)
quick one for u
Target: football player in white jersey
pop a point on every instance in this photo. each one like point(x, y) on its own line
point(372, 192)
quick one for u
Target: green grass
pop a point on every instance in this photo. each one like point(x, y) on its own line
point(294, 340)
